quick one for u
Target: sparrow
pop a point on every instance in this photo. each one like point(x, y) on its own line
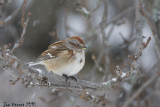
point(65, 58)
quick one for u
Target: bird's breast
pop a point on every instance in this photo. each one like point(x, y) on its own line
point(69, 66)
point(77, 64)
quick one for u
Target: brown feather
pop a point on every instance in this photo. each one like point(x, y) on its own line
point(58, 44)
point(78, 38)
point(54, 50)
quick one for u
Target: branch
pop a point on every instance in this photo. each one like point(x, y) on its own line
point(139, 22)
point(30, 78)
point(24, 25)
point(140, 46)
point(105, 37)
point(154, 28)
point(12, 16)
point(140, 90)
point(23, 13)
point(119, 16)
point(20, 41)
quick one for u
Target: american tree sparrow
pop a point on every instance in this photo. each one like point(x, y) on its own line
point(65, 58)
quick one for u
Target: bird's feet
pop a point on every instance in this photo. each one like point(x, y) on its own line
point(67, 78)
point(73, 78)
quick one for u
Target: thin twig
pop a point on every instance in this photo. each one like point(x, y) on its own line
point(139, 91)
point(24, 25)
point(140, 46)
point(20, 41)
point(104, 37)
point(23, 13)
point(119, 16)
point(12, 16)
point(154, 28)
point(139, 38)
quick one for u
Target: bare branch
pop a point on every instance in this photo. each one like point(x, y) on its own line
point(20, 41)
point(12, 16)
point(24, 25)
point(23, 13)
point(104, 36)
point(119, 16)
point(21, 71)
point(138, 92)
point(139, 22)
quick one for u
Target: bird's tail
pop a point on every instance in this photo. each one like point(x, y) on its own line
point(34, 63)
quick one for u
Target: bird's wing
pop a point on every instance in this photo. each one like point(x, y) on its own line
point(57, 45)
point(54, 50)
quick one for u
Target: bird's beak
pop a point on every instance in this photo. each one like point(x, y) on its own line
point(84, 47)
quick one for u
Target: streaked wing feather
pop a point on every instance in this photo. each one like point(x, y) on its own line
point(57, 45)
point(47, 55)
point(53, 51)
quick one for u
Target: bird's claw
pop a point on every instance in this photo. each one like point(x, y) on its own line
point(67, 78)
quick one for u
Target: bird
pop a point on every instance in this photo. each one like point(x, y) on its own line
point(65, 58)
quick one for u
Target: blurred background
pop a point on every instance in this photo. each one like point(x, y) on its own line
point(108, 29)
